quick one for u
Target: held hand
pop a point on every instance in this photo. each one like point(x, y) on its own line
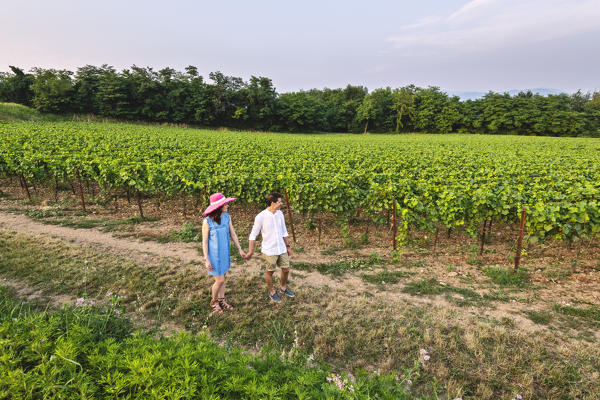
point(208, 265)
point(289, 251)
point(248, 256)
point(242, 254)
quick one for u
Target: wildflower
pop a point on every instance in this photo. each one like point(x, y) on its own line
point(409, 382)
point(351, 377)
point(42, 340)
point(426, 358)
point(249, 366)
point(80, 301)
point(109, 294)
point(376, 373)
point(519, 397)
point(117, 312)
point(459, 398)
point(423, 352)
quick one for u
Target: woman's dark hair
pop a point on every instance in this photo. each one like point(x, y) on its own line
point(273, 197)
point(216, 215)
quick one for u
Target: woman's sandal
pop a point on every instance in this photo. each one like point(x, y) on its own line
point(215, 306)
point(224, 304)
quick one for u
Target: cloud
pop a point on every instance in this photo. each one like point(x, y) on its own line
point(470, 9)
point(423, 22)
point(490, 24)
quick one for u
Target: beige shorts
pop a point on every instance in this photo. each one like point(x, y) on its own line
point(272, 262)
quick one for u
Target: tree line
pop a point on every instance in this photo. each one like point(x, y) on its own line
point(167, 95)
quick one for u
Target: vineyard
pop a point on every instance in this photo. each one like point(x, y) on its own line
point(438, 182)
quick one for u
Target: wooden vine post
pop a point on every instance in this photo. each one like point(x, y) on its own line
point(520, 240)
point(289, 208)
point(482, 237)
point(24, 185)
point(139, 201)
point(80, 189)
point(55, 189)
point(395, 227)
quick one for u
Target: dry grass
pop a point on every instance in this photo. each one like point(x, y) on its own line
point(472, 356)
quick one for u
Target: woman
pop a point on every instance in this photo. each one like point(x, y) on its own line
point(217, 228)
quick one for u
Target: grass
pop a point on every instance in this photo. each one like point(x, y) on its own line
point(539, 317)
point(58, 216)
point(384, 277)
point(432, 286)
point(470, 357)
point(18, 112)
point(507, 277)
point(92, 351)
point(342, 266)
point(589, 313)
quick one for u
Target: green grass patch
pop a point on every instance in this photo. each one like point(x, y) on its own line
point(539, 317)
point(589, 313)
point(384, 277)
point(462, 296)
point(86, 351)
point(508, 277)
point(19, 112)
point(340, 267)
point(189, 233)
point(59, 216)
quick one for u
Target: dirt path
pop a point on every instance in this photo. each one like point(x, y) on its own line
point(185, 252)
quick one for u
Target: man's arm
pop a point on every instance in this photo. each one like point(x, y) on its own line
point(285, 235)
point(288, 246)
point(253, 234)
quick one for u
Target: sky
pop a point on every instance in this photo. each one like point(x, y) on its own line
point(457, 45)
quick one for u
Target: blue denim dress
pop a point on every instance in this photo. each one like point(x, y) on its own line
point(218, 245)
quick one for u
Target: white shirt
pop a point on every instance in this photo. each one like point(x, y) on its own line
point(273, 230)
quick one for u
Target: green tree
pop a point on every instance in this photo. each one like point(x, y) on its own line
point(15, 87)
point(366, 111)
point(301, 112)
point(403, 105)
point(53, 90)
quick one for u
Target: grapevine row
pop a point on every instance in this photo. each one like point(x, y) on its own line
point(437, 181)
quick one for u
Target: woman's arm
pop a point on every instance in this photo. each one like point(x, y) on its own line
point(205, 245)
point(235, 239)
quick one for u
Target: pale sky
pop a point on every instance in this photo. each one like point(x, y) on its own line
point(458, 45)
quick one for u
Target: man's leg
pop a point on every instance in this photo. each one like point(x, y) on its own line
point(269, 279)
point(285, 272)
point(284, 263)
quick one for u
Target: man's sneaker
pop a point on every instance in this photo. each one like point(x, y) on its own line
point(288, 292)
point(275, 297)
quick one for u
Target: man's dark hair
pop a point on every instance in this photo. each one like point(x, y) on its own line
point(273, 197)
point(216, 215)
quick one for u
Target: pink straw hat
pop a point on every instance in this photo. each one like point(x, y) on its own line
point(216, 201)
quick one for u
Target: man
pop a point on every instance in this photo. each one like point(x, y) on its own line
point(276, 249)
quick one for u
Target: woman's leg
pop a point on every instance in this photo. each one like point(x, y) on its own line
point(222, 301)
point(222, 289)
point(217, 286)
